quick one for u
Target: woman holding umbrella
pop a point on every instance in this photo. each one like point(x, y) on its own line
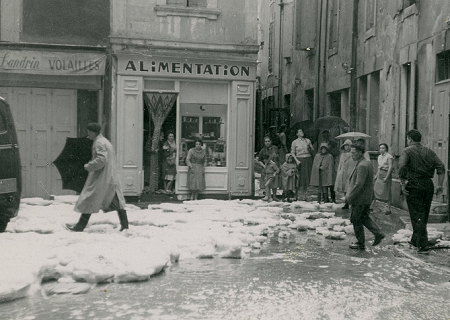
point(303, 150)
point(346, 165)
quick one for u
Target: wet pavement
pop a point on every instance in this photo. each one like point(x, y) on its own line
point(304, 276)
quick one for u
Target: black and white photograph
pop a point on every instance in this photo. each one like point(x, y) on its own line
point(224, 159)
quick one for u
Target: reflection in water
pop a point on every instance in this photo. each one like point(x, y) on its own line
point(303, 277)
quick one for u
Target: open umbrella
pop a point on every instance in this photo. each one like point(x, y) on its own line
point(354, 135)
point(330, 122)
point(70, 163)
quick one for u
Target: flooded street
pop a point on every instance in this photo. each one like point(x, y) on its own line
point(302, 277)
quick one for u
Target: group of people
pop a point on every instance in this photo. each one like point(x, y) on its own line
point(355, 178)
point(351, 172)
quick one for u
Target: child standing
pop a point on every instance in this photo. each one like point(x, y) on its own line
point(289, 176)
point(323, 174)
point(269, 177)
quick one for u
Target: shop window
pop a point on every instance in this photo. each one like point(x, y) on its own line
point(208, 123)
point(443, 66)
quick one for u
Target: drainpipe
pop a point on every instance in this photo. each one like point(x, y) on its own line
point(353, 82)
point(280, 58)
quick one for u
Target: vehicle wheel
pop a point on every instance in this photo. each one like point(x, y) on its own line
point(3, 224)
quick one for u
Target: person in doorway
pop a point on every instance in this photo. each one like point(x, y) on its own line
point(322, 173)
point(196, 161)
point(102, 189)
point(417, 165)
point(169, 162)
point(271, 151)
point(383, 178)
point(282, 135)
point(345, 167)
point(359, 196)
point(303, 150)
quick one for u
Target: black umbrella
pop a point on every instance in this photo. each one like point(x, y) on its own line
point(330, 122)
point(70, 163)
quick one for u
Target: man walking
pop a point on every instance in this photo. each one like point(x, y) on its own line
point(359, 196)
point(102, 188)
point(416, 169)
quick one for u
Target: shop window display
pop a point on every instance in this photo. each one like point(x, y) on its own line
point(207, 122)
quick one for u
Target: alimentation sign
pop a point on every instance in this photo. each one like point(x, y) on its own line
point(182, 67)
point(52, 63)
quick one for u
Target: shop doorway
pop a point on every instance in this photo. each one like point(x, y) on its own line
point(153, 170)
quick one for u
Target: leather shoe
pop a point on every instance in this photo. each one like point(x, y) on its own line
point(412, 244)
point(378, 239)
point(357, 246)
point(346, 206)
point(423, 250)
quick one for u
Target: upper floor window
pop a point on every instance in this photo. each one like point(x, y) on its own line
point(271, 45)
point(334, 27)
point(443, 66)
point(370, 18)
point(188, 8)
point(407, 3)
point(187, 3)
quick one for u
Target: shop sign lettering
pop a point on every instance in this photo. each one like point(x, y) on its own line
point(38, 62)
point(173, 68)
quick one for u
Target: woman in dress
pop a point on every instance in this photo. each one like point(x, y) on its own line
point(169, 163)
point(303, 150)
point(346, 165)
point(269, 151)
point(383, 178)
point(196, 161)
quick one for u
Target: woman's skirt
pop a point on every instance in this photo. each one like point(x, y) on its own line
point(170, 170)
point(381, 188)
point(304, 170)
point(196, 177)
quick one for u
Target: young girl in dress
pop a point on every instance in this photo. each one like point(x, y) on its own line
point(289, 176)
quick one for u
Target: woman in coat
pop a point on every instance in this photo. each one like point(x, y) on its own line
point(196, 161)
point(322, 173)
point(383, 178)
point(102, 190)
point(345, 167)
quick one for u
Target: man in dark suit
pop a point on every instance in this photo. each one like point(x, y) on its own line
point(359, 196)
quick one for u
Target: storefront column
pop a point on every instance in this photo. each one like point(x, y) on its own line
point(241, 138)
point(129, 134)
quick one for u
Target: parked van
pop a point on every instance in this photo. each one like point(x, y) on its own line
point(10, 167)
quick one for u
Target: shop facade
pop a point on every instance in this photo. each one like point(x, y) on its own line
point(52, 94)
point(211, 99)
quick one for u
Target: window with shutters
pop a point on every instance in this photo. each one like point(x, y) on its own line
point(271, 45)
point(305, 24)
point(333, 32)
point(187, 3)
point(370, 18)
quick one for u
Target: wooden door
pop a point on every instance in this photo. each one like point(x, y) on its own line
point(440, 129)
point(63, 125)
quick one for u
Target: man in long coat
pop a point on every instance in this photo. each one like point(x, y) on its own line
point(359, 196)
point(102, 188)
